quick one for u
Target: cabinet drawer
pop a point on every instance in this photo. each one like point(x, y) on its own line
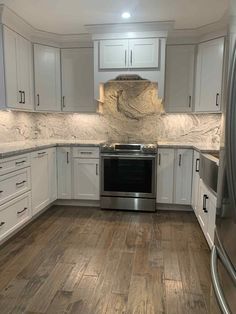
point(14, 213)
point(14, 163)
point(86, 152)
point(14, 184)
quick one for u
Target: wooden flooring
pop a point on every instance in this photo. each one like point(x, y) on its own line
point(84, 260)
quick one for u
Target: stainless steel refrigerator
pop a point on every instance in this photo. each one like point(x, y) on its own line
point(223, 256)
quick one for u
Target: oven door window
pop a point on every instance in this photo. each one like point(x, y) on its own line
point(128, 175)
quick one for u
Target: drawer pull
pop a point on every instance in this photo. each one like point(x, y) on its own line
point(20, 162)
point(41, 154)
point(1, 191)
point(20, 183)
point(21, 211)
point(86, 153)
point(2, 223)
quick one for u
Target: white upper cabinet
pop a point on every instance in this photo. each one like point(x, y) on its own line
point(143, 53)
point(165, 175)
point(18, 71)
point(210, 60)
point(183, 179)
point(77, 80)
point(179, 78)
point(114, 54)
point(129, 53)
point(47, 78)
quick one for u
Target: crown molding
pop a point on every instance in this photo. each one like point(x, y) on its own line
point(106, 31)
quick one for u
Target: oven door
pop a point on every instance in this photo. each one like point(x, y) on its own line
point(130, 176)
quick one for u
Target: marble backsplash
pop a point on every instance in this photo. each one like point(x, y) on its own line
point(131, 112)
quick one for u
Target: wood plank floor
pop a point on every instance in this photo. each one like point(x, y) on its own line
point(84, 260)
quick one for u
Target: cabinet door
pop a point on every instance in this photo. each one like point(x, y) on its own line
point(165, 175)
point(196, 178)
point(113, 54)
point(40, 180)
point(179, 78)
point(13, 96)
point(47, 78)
point(86, 179)
point(211, 208)
point(77, 80)
point(143, 53)
point(209, 76)
point(183, 176)
point(64, 173)
point(52, 174)
point(202, 213)
point(25, 72)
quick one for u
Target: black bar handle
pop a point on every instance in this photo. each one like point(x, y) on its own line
point(20, 183)
point(131, 57)
point(20, 102)
point(20, 162)
point(23, 97)
point(67, 157)
point(190, 101)
point(197, 166)
point(2, 223)
point(63, 102)
point(217, 99)
point(180, 160)
point(38, 103)
point(159, 159)
point(21, 211)
point(205, 198)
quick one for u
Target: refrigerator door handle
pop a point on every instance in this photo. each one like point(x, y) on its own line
point(215, 254)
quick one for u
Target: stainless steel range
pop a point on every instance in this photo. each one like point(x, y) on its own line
point(128, 176)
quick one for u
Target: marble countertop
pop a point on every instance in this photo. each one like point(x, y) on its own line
point(21, 147)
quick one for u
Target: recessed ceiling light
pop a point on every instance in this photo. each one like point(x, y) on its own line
point(125, 15)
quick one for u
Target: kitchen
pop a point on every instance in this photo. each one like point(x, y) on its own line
point(112, 159)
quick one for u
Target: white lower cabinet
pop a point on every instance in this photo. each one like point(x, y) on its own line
point(15, 213)
point(64, 169)
point(183, 176)
point(52, 174)
point(86, 179)
point(196, 179)
point(174, 176)
point(165, 175)
point(40, 170)
point(206, 212)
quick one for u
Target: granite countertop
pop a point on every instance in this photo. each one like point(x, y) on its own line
point(203, 148)
point(21, 147)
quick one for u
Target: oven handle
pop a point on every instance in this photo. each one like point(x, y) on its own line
point(128, 156)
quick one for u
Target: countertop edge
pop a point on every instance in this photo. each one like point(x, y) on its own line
point(35, 147)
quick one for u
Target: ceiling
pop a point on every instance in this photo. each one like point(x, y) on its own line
point(70, 16)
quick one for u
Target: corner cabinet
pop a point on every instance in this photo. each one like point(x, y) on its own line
point(129, 53)
point(179, 78)
point(47, 74)
point(64, 171)
point(174, 176)
point(77, 80)
point(18, 62)
point(209, 73)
